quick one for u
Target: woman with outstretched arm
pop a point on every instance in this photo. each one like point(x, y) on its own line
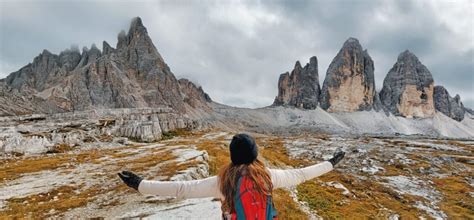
point(244, 186)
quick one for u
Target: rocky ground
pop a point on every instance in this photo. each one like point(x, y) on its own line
point(381, 177)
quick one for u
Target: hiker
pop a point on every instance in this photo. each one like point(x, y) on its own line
point(244, 186)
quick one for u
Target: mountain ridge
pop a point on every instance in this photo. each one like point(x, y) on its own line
point(134, 75)
point(131, 75)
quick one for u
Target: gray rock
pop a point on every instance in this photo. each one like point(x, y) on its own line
point(38, 75)
point(444, 103)
point(38, 133)
point(408, 88)
point(132, 76)
point(377, 102)
point(349, 84)
point(106, 48)
point(468, 110)
point(300, 88)
point(194, 95)
point(69, 59)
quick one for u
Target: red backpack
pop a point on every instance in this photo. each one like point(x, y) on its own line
point(250, 204)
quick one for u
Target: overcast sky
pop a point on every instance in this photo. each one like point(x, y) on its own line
point(237, 49)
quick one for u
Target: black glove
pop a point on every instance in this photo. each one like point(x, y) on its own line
point(338, 155)
point(131, 179)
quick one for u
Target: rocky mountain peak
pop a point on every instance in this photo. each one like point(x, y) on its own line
point(349, 84)
point(45, 52)
point(136, 36)
point(444, 103)
point(138, 44)
point(300, 88)
point(106, 48)
point(313, 61)
point(194, 95)
point(69, 58)
point(137, 27)
point(122, 40)
point(352, 43)
point(407, 56)
point(408, 88)
point(298, 65)
point(132, 76)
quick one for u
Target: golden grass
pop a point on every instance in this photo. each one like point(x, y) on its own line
point(276, 154)
point(146, 162)
point(457, 202)
point(369, 199)
point(61, 148)
point(218, 154)
point(39, 205)
point(172, 168)
point(286, 207)
point(12, 169)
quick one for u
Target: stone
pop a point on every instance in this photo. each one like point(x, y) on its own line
point(349, 85)
point(444, 103)
point(300, 88)
point(408, 88)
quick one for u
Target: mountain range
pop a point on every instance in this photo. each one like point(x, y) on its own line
point(134, 75)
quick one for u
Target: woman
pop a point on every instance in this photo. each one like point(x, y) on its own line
point(244, 186)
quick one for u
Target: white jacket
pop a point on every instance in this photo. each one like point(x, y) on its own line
point(209, 187)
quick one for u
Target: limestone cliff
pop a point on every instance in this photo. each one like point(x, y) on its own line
point(301, 87)
point(408, 88)
point(448, 105)
point(349, 84)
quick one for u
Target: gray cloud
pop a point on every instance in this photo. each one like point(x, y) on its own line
point(236, 50)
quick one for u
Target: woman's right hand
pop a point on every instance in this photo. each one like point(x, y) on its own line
point(132, 180)
point(338, 155)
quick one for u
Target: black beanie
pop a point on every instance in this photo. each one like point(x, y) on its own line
point(243, 149)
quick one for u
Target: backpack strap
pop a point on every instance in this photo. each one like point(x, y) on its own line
point(239, 208)
point(271, 212)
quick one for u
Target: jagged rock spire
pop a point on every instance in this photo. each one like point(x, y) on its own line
point(132, 76)
point(349, 84)
point(301, 87)
point(408, 88)
point(444, 103)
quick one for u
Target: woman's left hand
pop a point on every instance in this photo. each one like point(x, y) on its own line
point(338, 155)
point(132, 180)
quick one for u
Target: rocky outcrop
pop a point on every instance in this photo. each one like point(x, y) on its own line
point(300, 88)
point(408, 88)
point(15, 102)
point(444, 103)
point(94, 128)
point(134, 75)
point(349, 84)
point(469, 110)
point(194, 95)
